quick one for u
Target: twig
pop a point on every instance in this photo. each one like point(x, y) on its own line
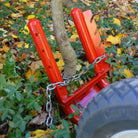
point(3, 125)
point(87, 4)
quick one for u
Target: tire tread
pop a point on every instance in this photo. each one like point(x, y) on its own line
point(115, 94)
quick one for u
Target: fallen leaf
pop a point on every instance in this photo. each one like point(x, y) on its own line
point(107, 44)
point(114, 39)
point(36, 65)
point(52, 37)
point(119, 51)
point(14, 36)
point(21, 58)
point(2, 58)
point(57, 55)
point(22, 0)
point(25, 30)
point(5, 48)
point(30, 17)
point(97, 17)
point(30, 73)
point(3, 136)
point(71, 23)
point(78, 67)
point(1, 66)
point(4, 32)
point(116, 21)
point(128, 73)
point(33, 113)
point(75, 0)
point(20, 44)
point(39, 120)
point(73, 37)
point(60, 64)
point(30, 4)
point(41, 133)
point(7, 4)
point(15, 15)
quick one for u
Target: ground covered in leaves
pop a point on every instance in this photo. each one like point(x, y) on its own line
point(23, 79)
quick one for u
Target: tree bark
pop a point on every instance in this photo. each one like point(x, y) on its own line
point(63, 43)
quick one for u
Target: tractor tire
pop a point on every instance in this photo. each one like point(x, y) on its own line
point(113, 110)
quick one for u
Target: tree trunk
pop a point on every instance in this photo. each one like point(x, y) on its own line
point(63, 43)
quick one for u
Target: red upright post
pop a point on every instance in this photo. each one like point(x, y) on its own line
point(47, 57)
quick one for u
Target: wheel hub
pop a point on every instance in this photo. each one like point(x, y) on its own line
point(126, 134)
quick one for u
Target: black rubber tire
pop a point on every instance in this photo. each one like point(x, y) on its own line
point(112, 110)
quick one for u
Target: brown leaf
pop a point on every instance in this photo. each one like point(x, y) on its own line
point(2, 60)
point(3, 136)
point(30, 73)
point(21, 58)
point(4, 48)
point(36, 65)
point(39, 120)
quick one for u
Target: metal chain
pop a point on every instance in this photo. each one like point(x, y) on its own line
point(66, 82)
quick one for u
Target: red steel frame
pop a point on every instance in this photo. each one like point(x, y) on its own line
point(93, 48)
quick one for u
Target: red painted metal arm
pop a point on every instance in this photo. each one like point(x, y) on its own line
point(46, 55)
point(89, 37)
point(91, 41)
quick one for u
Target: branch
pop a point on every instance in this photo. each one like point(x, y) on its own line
point(63, 43)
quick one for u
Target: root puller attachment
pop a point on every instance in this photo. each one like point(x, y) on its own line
point(95, 53)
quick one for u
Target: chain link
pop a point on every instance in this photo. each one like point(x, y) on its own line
point(66, 82)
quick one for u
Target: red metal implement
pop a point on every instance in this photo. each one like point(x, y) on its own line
point(91, 40)
point(86, 92)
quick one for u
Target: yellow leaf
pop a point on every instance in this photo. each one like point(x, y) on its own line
point(26, 45)
point(40, 133)
point(7, 4)
point(60, 64)
point(57, 55)
point(14, 36)
point(128, 73)
point(5, 48)
point(114, 39)
point(30, 4)
point(30, 73)
point(4, 32)
point(20, 44)
point(14, 15)
point(73, 38)
point(30, 17)
point(22, 0)
point(97, 17)
point(119, 51)
point(75, 0)
point(116, 21)
point(25, 30)
point(130, 9)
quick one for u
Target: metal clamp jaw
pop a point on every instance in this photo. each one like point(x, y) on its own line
point(93, 52)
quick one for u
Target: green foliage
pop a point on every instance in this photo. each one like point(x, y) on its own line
point(15, 104)
point(62, 133)
point(16, 92)
point(9, 66)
